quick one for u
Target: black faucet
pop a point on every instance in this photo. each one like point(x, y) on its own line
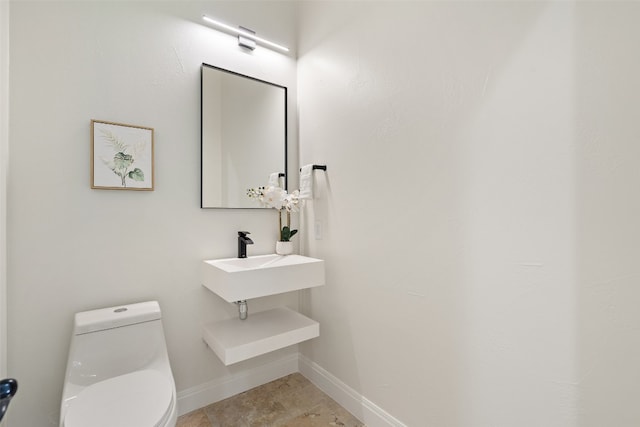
point(243, 241)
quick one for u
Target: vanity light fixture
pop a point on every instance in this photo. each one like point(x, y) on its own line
point(246, 37)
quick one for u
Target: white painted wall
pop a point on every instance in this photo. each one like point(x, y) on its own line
point(607, 236)
point(4, 159)
point(72, 248)
point(480, 208)
point(479, 214)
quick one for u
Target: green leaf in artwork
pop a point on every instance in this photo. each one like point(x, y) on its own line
point(122, 161)
point(136, 174)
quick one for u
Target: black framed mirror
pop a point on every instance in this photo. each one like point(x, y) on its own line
point(243, 136)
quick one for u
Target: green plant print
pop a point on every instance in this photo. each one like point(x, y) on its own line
point(122, 162)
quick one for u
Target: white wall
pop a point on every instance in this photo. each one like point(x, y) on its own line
point(4, 146)
point(480, 207)
point(479, 213)
point(606, 70)
point(72, 248)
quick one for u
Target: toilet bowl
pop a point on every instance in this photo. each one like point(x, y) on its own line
point(118, 372)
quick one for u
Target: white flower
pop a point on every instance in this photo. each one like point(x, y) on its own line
point(292, 201)
point(273, 197)
point(277, 198)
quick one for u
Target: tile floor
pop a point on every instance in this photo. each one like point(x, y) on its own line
point(291, 401)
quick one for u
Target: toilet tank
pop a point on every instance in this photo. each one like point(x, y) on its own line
point(115, 341)
point(115, 317)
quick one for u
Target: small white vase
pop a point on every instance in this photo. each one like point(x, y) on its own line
point(284, 248)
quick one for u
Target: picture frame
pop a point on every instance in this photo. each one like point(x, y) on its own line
point(121, 156)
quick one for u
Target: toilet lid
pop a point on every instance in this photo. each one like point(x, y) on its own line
point(139, 399)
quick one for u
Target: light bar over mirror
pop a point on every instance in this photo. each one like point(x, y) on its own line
point(245, 33)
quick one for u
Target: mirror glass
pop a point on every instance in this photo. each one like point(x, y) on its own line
point(244, 136)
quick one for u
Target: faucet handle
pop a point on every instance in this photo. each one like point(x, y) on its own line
point(243, 233)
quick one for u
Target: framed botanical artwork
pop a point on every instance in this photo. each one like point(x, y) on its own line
point(121, 156)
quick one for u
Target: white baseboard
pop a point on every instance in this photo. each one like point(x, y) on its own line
point(361, 407)
point(213, 391)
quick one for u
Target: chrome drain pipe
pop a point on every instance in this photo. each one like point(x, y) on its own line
point(243, 309)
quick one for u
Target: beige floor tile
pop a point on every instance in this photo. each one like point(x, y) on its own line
point(302, 399)
point(196, 418)
point(255, 407)
point(323, 415)
point(290, 401)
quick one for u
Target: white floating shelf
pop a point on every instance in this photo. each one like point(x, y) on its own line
point(235, 340)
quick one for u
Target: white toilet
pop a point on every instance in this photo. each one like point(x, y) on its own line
point(118, 372)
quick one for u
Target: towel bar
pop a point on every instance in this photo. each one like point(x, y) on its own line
point(320, 167)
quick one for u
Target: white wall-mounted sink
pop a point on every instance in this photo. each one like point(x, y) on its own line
point(237, 279)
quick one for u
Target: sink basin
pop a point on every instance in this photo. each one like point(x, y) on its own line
point(237, 279)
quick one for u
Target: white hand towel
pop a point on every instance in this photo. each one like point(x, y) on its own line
point(306, 182)
point(274, 180)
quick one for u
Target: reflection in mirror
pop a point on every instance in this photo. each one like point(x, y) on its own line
point(244, 137)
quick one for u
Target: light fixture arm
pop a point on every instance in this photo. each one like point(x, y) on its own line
point(248, 42)
point(246, 37)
